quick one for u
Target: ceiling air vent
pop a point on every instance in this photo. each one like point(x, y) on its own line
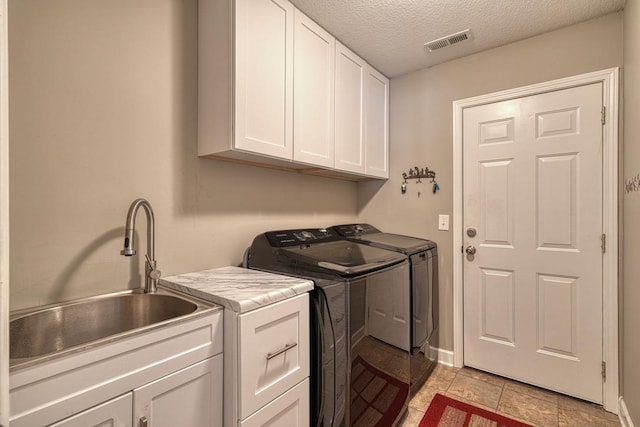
point(448, 40)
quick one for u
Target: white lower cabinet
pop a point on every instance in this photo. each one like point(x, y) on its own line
point(114, 413)
point(267, 365)
point(169, 376)
point(191, 397)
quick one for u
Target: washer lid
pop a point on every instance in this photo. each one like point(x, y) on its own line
point(343, 257)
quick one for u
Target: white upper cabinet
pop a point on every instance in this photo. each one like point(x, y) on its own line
point(275, 89)
point(376, 124)
point(313, 88)
point(264, 77)
point(350, 79)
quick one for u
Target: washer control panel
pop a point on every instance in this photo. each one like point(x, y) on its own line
point(300, 237)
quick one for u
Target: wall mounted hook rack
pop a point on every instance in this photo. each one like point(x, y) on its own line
point(417, 174)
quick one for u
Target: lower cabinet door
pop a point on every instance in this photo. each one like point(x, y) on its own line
point(191, 397)
point(114, 413)
point(291, 410)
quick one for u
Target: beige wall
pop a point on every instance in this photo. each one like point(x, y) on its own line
point(631, 267)
point(103, 98)
point(103, 110)
point(421, 127)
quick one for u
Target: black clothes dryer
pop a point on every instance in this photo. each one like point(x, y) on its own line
point(423, 260)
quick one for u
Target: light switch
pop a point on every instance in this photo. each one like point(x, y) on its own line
point(443, 222)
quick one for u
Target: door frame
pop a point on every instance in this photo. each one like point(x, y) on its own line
point(609, 79)
point(4, 217)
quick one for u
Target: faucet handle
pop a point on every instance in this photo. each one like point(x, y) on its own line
point(153, 272)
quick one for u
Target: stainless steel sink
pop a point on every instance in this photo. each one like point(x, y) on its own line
point(90, 321)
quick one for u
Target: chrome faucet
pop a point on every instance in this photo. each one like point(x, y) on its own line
point(151, 273)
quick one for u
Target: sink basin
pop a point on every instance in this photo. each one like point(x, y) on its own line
point(65, 326)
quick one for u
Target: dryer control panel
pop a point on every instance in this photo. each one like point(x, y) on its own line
point(355, 230)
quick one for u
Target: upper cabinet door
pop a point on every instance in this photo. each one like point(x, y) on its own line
point(376, 128)
point(264, 77)
point(313, 88)
point(349, 141)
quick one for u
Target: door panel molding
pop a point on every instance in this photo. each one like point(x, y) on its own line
point(561, 123)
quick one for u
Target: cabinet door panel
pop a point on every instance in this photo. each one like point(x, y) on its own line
point(349, 124)
point(273, 352)
point(189, 397)
point(291, 410)
point(114, 413)
point(376, 133)
point(313, 127)
point(264, 77)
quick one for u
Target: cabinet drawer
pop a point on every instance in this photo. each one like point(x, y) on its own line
point(290, 409)
point(273, 352)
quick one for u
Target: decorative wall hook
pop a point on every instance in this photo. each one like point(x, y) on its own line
point(417, 174)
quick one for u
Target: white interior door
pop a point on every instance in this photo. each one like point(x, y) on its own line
point(388, 306)
point(533, 192)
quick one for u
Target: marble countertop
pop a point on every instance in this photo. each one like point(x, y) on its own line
point(236, 288)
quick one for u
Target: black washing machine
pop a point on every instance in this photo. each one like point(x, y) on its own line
point(423, 259)
point(360, 323)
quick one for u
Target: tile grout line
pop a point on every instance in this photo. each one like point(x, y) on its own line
point(558, 409)
point(500, 398)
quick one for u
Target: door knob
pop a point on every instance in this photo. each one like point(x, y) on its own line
point(470, 250)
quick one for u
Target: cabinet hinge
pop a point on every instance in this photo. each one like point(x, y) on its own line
point(604, 370)
point(603, 243)
point(603, 115)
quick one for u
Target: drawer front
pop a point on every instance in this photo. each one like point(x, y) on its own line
point(291, 410)
point(273, 352)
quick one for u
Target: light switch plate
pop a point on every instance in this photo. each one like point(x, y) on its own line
point(443, 222)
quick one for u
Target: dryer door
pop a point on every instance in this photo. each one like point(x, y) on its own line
point(422, 316)
point(388, 306)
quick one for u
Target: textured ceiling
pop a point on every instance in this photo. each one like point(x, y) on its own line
point(390, 34)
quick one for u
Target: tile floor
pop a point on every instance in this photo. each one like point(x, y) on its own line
point(526, 403)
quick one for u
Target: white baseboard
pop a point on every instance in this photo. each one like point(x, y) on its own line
point(444, 357)
point(623, 414)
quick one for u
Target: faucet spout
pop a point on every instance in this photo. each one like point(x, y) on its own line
point(152, 274)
